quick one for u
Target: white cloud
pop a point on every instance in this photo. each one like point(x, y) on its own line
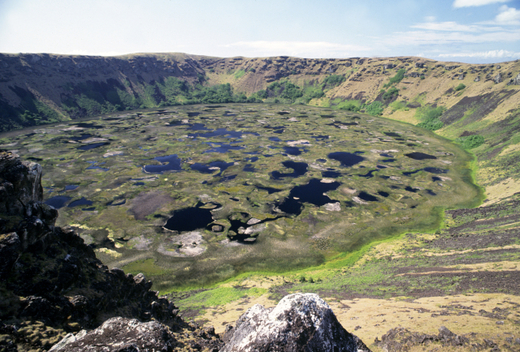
point(469, 3)
point(491, 54)
point(508, 15)
point(445, 26)
point(430, 18)
point(440, 37)
point(300, 49)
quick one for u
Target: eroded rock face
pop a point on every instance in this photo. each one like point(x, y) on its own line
point(21, 195)
point(300, 322)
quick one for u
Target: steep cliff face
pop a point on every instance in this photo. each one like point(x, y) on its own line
point(44, 88)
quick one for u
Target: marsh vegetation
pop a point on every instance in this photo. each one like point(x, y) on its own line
point(192, 195)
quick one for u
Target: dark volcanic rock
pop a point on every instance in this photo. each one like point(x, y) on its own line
point(401, 339)
point(300, 322)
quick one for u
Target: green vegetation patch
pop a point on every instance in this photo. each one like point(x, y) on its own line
point(397, 78)
point(470, 142)
point(220, 296)
point(430, 117)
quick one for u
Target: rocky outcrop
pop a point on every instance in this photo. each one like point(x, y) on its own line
point(300, 322)
point(401, 339)
point(121, 334)
point(51, 282)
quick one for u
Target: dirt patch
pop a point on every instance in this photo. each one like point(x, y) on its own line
point(147, 203)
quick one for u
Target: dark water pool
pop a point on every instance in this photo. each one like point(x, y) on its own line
point(88, 125)
point(331, 174)
point(189, 219)
point(169, 163)
point(78, 202)
point(58, 202)
point(92, 145)
point(249, 168)
point(392, 134)
point(80, 138)
point(209, 168)
point(270, 190)
point(420, 156)
point(346, 159)
point(369, 174)
point(292, 150)
point(299, 170)
point(436, 170)
point(198, 127)
point(313, 192)
point(116, 202)
point(367, 197)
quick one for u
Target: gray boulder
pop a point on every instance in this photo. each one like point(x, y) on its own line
point(515, 81)
point(300, 322)
point(498, 78)
point(121, 335)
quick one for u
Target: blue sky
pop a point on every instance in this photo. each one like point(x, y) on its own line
point(475, 31)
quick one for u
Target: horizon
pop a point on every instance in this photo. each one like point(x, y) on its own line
point(465, 31)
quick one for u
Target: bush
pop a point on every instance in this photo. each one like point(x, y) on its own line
point(430, 117)
point(432, 125)
point(460, 87)
point(334, 80)
point(350, 105)
point(471, 142)
point(375, 109)
point(397, 78)
point(391, 93)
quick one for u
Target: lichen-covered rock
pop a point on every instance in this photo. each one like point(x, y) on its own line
point(300, 322)
point(122, 334)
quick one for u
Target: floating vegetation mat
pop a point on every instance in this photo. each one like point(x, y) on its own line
point(198, 194)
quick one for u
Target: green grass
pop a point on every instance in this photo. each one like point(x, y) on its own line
point(219, 297)
point(239, 74)
point(147, 267)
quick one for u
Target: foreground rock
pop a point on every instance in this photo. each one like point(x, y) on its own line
point(401, 339)
point(121, 334)
point(300, 322)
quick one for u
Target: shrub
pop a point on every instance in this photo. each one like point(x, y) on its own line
point(430, 117)
point(460, 87)
point(334, 80)
point(350, 105)
point(397, 78)
point(471, 142)
point(375, 109)
point(391, 93)
point(399, 105)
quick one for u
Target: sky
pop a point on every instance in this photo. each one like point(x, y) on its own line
point(472, 31)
